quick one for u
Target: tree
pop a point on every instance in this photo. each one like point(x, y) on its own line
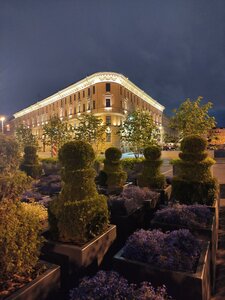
point(139, 131)
point(56, 133)
point(192, 118)
point(25, 137)
point(91, 130)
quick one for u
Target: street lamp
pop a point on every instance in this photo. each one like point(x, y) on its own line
point(2, 119)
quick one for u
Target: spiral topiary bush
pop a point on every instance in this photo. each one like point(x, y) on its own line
point(151, 176)
point(194, 182)
point(30, 164)
point(79, 213)
point(113, 169)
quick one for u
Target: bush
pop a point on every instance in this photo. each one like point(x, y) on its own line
point(186, 215)
point(9, 154)
point(116, 177)
point(20, 237)
point(151, 176)
point(194, 182)
point(111, 286)
point(12, 185)
point(51, 166)
point(30, 164)
point(131, 163)
point(79, 213)
point(177, 250)
point(131, 198)
point(76, 155)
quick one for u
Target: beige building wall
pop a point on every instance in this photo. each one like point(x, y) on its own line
point(108, 95)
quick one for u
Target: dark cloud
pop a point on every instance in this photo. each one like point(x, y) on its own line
point(172, 49)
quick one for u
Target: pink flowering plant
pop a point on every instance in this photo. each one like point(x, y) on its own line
point(111, 286)
point(177, 250)
point(186, 215)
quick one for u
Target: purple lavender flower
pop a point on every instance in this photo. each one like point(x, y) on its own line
point(176, 250)
point(112, 286)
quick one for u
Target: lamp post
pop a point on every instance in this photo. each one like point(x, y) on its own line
point(2, 119)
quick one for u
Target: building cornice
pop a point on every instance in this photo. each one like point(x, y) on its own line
point(88, 81)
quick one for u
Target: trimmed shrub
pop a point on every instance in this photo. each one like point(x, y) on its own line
point(116, 177)
point(151, 176)
point(20, 237)
point(30, 164)
point(79, 213)
point(194, 182)
point(110, 286)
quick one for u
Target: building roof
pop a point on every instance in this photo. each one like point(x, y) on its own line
point(88, 81)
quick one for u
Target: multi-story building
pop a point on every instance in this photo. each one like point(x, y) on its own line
point(216, 137)
point(111, 96)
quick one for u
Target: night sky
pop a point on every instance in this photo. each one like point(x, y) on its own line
point(172, 49)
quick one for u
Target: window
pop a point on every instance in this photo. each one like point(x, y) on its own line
point(74, 97)
point(93, 89)
point(83, 107)
point(107, 87)
point(108, 120)
point(93, 104)
point(65, 100)
point(107, 102)
point(89, 91)
point(108, 137)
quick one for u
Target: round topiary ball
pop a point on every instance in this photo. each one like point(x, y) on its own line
point(152, 152)
point(30, 150)
point(76, 155)
point(193, 144)
point(113, 154)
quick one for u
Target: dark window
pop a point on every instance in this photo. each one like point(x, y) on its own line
point(108, 137)
point(65, 100)
point(107, 87)
point(107, 103)
point(93, 89)
point(74, 97)
point(93, 104)
point(89, 91)
point(79, 95)
point(83, 94)
point(83, 107)
point(108, 120)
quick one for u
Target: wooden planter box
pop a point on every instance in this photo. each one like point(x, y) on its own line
point(44, 287)
point(73, 258)
point(165, 194)
point(180, 285)
point(127, 224)
point(209, 233)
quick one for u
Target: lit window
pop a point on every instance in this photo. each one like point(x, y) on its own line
point(108, 120)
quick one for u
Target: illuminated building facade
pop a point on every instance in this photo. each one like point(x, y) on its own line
point(110, 96)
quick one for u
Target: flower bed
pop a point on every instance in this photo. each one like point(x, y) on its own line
point(199, 219)
point(110, 286)
point(176, 259)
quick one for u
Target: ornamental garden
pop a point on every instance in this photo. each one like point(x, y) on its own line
point(78, 227)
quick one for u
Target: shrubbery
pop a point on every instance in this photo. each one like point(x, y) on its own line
point(111, 286)
point(20, 237)
point(79, 213)
point(151, 176)
point(115, 176)
point(30, 164)
point(194, 182)
point(9, 154)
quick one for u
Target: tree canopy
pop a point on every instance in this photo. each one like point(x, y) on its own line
point(139, 131)
point(25, 137)
point(192, 118)
point(91, 129)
